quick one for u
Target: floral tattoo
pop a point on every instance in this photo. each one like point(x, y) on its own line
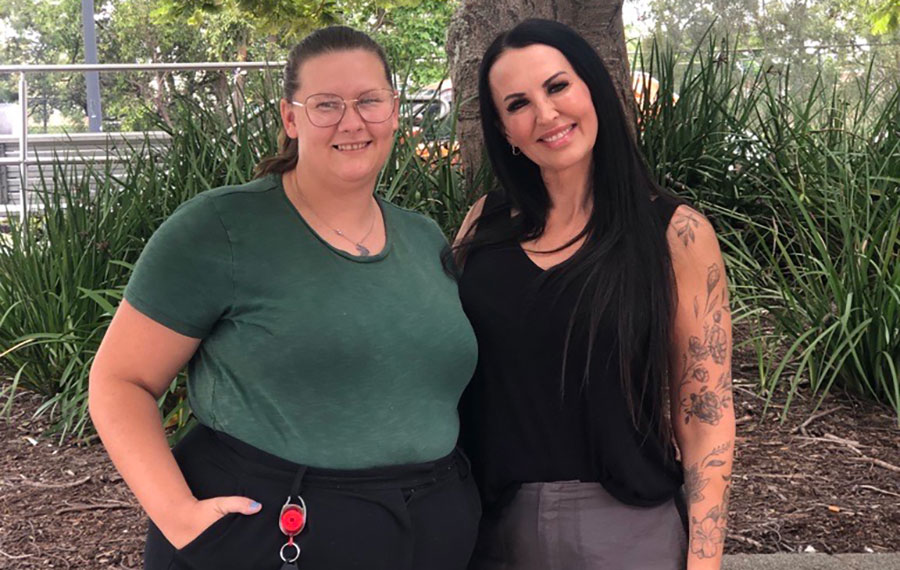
point(704, 396)
point(708, 535)
point(707, 403)
point(694, 482)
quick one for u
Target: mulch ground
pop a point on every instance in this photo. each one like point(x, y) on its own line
point(827, 479)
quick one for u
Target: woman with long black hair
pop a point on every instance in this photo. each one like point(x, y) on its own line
point(600, 307)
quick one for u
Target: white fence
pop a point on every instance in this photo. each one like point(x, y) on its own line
point(22, 155)
point(75, 151)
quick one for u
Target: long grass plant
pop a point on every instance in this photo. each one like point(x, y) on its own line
point(64, 271)
point(804, 190)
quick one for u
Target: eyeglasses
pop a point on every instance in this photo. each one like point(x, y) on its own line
point(327, 109)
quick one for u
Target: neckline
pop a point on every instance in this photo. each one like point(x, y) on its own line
point(538, 267)
point(388, 234)
point(518, 245)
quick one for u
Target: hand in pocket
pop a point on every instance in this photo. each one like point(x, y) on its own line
point(202, 515)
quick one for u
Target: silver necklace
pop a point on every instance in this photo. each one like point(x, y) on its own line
point(363, 250)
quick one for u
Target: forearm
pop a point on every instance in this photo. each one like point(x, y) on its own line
point(707, 460)
point(700, 375)
point(128, 422)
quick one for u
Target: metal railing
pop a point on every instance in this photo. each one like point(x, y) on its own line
point(23, 161)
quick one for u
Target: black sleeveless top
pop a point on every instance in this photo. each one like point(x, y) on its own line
point(520, 421)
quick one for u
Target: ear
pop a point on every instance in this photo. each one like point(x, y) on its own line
point(289, 117)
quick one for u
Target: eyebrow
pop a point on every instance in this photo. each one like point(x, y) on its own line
point(544, 84)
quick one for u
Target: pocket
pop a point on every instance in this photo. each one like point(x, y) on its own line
point(207, 539)
point(158, 553)
point(208, 476)
point(237, 541)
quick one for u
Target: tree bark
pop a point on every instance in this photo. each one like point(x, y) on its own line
point(477, 22)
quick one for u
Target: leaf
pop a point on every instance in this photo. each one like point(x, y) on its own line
point(712, 278)
point(715, 463)
point(99, 299)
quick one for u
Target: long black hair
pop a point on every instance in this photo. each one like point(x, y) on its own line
point(623, 271)
point(325, 40)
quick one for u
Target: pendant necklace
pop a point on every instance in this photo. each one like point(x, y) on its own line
point(363, 250)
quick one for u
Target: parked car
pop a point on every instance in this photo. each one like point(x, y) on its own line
point(432, 103)
point(429, 109)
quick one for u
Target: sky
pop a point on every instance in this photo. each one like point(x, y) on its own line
point(637, 19)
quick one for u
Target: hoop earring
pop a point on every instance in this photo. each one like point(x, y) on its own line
point(515, 150)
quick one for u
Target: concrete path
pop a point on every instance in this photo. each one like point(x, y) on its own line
point(812, 562)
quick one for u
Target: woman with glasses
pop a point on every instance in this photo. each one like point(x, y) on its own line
point(326, 346)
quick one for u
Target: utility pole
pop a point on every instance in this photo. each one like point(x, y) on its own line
point(91, 78)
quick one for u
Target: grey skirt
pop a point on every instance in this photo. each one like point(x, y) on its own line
point(571, 525)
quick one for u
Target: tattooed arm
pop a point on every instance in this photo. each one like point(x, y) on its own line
point(700, 375)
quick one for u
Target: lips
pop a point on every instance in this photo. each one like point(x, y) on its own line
point(557, 133)
point(351, 146)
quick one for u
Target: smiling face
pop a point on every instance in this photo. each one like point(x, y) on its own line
point(544, 107)
point(352, 151)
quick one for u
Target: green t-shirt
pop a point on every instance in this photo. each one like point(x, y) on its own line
point(310, 353)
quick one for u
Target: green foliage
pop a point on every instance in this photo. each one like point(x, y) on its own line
point(805, 192)
point(886, 18)
point(831, 38)
point(424, 174)
point(414, 34)
point(43, 33)
point(803, 187)
point(63, 274)
point(62, 278)
point(168, 31)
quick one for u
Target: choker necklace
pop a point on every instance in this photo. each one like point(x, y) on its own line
point(363, 250)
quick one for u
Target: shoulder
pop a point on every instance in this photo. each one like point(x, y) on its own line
point(226, 205)
point(224, 196)
point(471, 217)
point(411, 221)
point(196, 212)
point(220, 196)
point(688, 229)
point(693, 244)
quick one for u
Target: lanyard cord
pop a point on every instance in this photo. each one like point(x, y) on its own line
point(298, 481)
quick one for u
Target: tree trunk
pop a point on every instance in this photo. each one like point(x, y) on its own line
point(477, 22)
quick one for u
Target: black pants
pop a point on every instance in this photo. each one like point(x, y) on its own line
point(406, 517)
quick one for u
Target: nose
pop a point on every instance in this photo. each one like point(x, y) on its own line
point(545, 110)
point(352, 120)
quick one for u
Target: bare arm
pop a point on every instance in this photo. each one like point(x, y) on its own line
point(136, 362)
point(470, 219)
point(700, 364)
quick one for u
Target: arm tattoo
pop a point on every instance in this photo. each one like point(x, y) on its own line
point(684, 227)
point(704, 396)
point(708, 535)
point(694, 482)
point(706, 405)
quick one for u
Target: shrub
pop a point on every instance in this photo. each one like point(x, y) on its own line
point(64, 272)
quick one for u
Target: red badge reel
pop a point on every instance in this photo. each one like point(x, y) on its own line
point(291, 521)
